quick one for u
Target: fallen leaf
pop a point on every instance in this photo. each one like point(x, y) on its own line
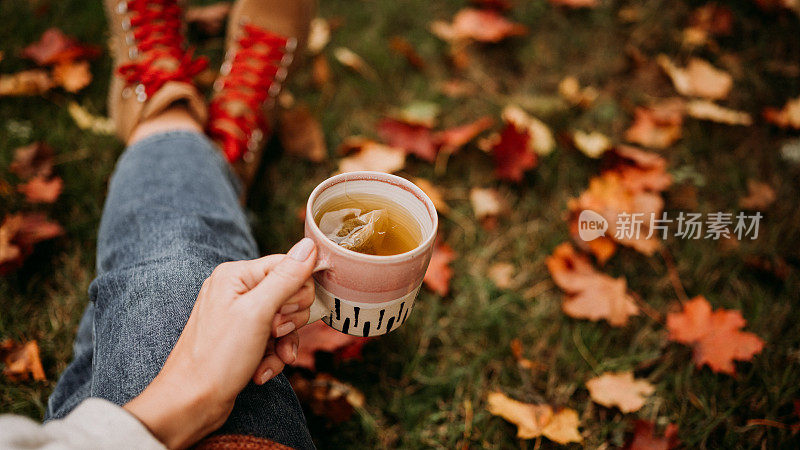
point(706, 110)
point(541, 138)
point(592, 144)
point(208, 18)
point(759, 196)
point(374, 156)
point(318, 337)
point(328, 397)
point(36, 228)
point(512, 154)
point(639, 170)
point(644, 437)
point(501, 274)
point(715, 336)
point(55, 47)
point(452, 139)
point(19, 233)
point(349, 59)
point(418, 140)
point(590, 294)
point(698, 79)
point(570, 89)
point(657, 126)
point(42, 190)
point(90, 122)
point(320, 71)
point(319, 35)
point(21, 361)
point(575, 3)
point(27, 82)
point(437, 277)
point(534, 420)
point(481, 25)
point(787, 117)
point(434, 193)
point(72, 76)
point(487, 202)
point(620, 390)
point(301, 134)
point(32, 160)
point(401, 46)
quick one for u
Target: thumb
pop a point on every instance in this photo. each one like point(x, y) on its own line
point(285, 278)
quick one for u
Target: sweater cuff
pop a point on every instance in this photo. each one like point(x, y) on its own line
point(107, 425)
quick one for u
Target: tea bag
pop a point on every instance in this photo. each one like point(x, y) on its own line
point(352, 230)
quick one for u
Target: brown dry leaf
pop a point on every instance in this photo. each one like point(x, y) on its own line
point(27, 82)
point(41, 190)
point(502, 274)
point(401, 46)
point(639, 170)
point(620, 390)
point(575, 3)
point(592, 144)
point(328, 397)
point(487, 202)
point(657, 126)
point(72, 76)
point(759, 196)
point(590, 294)
point(434, 193)
point(32, 160)
point(787, 117)
point(714, 335)
point(644, 437)
point(707, 110)
point(698, 79)
point(570, 88)
point(437, 277)
point(541, 138)
point(90, 122)
point(371, 155)
point(209, 18)
point(21, 361)
point(320, 71)
point(534, 420)
point(349, 59)
point(481, 25)
point(319, 35)
point(301, 134)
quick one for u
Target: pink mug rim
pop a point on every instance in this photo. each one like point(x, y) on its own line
point(384, 178)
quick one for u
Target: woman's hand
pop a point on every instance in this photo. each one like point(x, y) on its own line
point(228, 341)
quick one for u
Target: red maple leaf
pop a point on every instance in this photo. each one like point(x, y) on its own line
point(318, 336)
point(56, 47)
point(414, 138)
point(512, 154)
point(644, 437)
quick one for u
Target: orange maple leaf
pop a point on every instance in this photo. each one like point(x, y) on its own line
point(21, 360)
point(437, 277)
point(714, 335)
point(42, 190)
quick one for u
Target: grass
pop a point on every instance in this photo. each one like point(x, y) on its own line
point(426, 384)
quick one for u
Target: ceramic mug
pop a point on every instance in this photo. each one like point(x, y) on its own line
point(361, 294)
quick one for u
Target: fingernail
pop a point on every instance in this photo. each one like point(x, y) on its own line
point(302, 249)
point(290, 308)
point(267, 375)
point(294, 352)
point(284, 329)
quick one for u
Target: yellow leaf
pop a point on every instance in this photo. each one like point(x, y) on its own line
point(620, 390)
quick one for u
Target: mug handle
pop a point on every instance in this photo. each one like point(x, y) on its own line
point(318, 309)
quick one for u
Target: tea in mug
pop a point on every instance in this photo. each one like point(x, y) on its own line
point(368, 224)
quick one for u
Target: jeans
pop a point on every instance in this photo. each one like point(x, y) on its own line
point(172, 214)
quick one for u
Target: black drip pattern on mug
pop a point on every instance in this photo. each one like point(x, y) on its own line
point(380, 319)
point(346, 326)
point(405, 316)
point(366, 329)
point(337, 302)
point(400, 314)
point(356, 310)
point(389, 324)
